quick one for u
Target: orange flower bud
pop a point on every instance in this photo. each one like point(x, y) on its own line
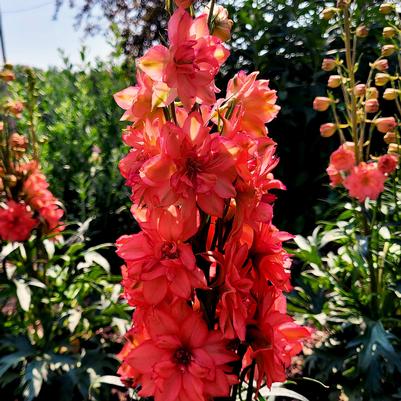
point(1, 125)
point(388, 50)
point(385, 124)
point(390, 137)
point(327, 130)
point(382, 79)
point(381, 65)
point(391, 94)
point(334, 81)
point(183, 3)
point(328, 64)
point(394, 148)
point(329, 12)
point(386, 8)
point(372, 106)
point(359, 90)
point(7, 75)
point(389, 32)
point(362, 31)
point(18, 142)
point(372, 93)
point(15, 107)
point(321, 103)
point(222, 24)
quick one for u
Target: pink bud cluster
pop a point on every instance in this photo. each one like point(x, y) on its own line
point(207, 272)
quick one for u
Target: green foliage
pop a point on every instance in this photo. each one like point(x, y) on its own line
point(61, 320)
point(350, 287)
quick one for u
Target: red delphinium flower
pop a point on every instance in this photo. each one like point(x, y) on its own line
point(254, 164)
point(193, 165)
point(41, 200)
point(270, 260)
point(144, 100)
point(236, 304)
point(192, 61)
point(253, 101)
point(335, 176)
point(343, 159)
point(274, 337)
point(16, 222)
point(388, 163)
point(158, 261)
point(181, 360)
point(365, 181)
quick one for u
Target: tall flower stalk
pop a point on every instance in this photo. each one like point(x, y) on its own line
point(207, 273)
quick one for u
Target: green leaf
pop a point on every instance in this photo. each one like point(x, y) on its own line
point(109, 379)
point(94, 257)
point(35, 374)
point(282, 392)
point(23, 294)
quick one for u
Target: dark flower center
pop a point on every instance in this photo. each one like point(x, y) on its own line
point(169, 250)
point(182, 357)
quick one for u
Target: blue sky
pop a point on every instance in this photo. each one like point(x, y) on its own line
point(33, 38)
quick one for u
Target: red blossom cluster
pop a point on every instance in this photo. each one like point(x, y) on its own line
point(207, 272)
point(26, 202)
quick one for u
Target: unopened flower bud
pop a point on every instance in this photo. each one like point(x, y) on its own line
point(390, 137)
point(389, 32)
point(334, 81)
point(11, 180)
point(327, 130)
point(393, 148)
point(382, 79)
point(385, 124)
point(372, 93)
point(359, 90)
point(372, 106)
point(381, 65)
point(329, 12)
point(222, 24)
point(386, 8)
point(388, 50)
point(343, 3)
point(183, 3)
point(391, 94)
point(349, 146)
point(15, 107)
point(328, 64)
point(1, 125)
point(7, 75)
point(321, 103)
point(18, 142)
point(362, 31)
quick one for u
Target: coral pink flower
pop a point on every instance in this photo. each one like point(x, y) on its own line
point(236, 303)
point(387, 164)
point(191, 62)
point(270, 260)
point(183, 3)
point(144, 100)
point(335, 176)
point(275, 338)
point(158, 261)
point(181, 360)
point(254, 101)
point(16, 222)
point(365, 181)
point(343, 159)
point(194, 165)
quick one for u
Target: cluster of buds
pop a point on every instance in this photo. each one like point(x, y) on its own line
point(207, 273)
point(352, 165)
point(25, 200)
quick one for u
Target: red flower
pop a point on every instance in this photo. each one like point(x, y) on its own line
point(181, 360)
point(192, 61)
point(16, 222)
point(387, 164)
point(365, 181)
point(343, 159)
point(275, 338)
